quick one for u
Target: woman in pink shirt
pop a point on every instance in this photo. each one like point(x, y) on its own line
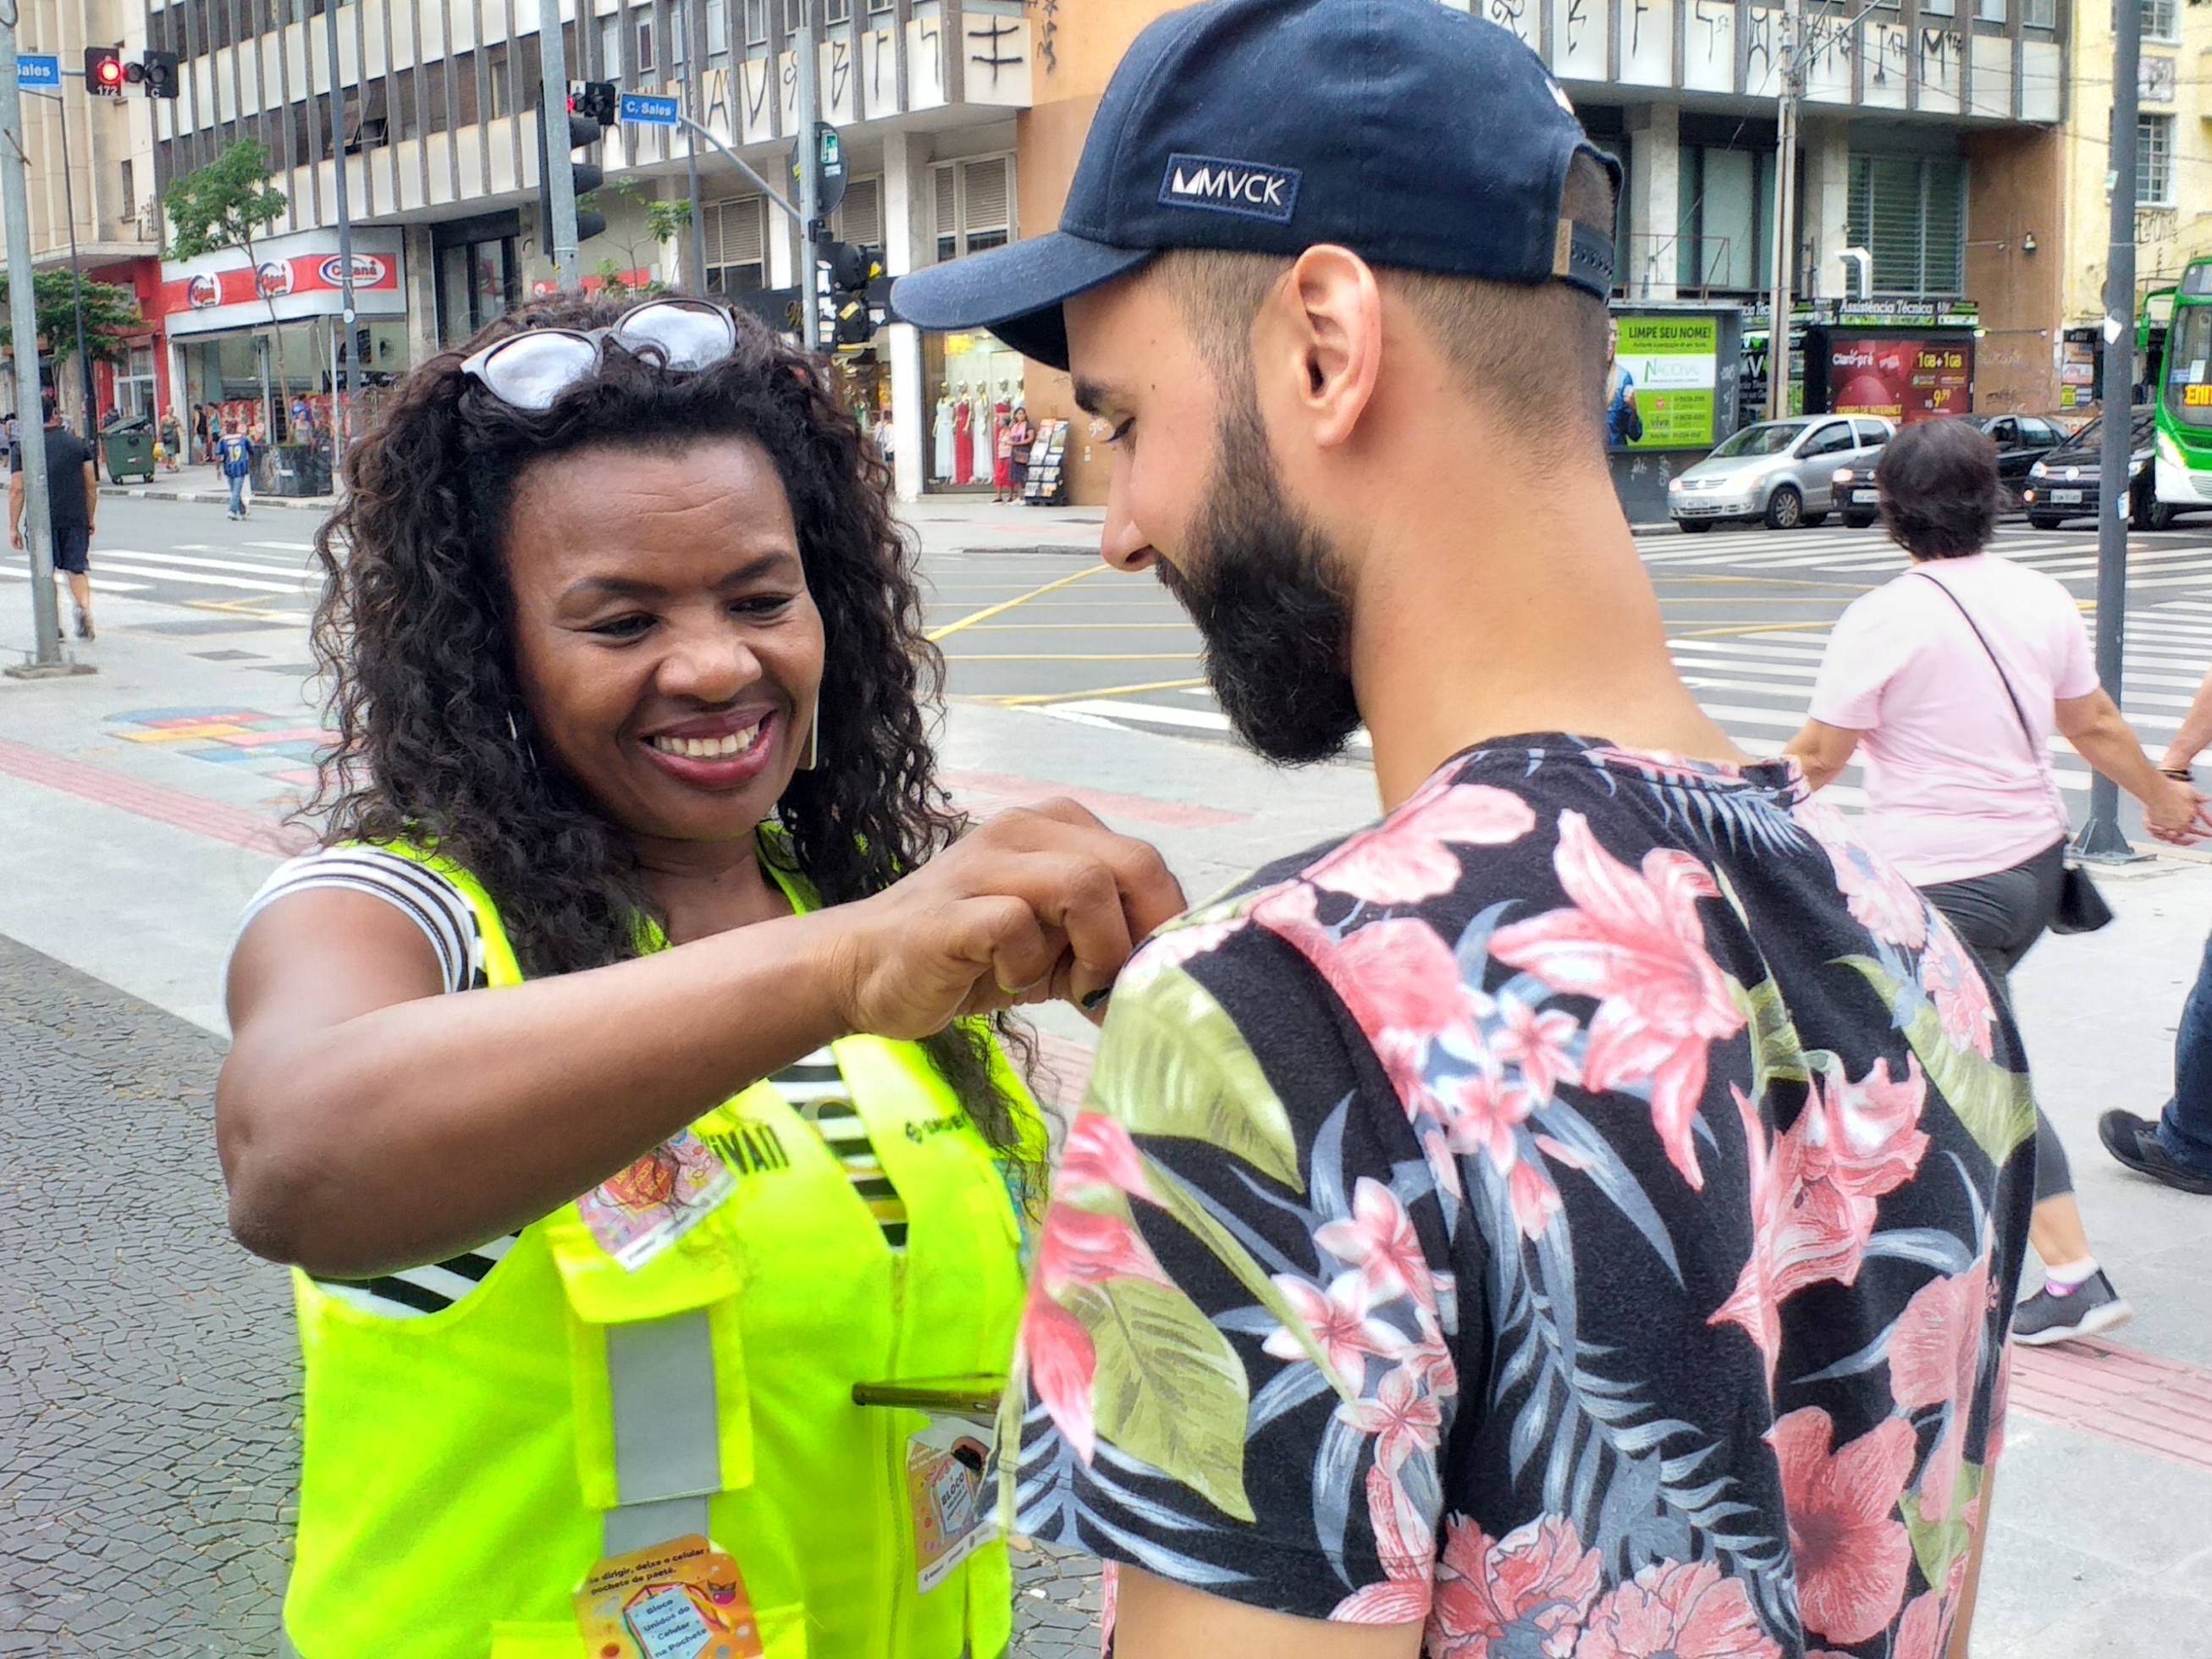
point(1948, 682)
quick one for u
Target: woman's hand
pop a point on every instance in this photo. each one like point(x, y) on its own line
point(2176, 814)
point(1040, 902)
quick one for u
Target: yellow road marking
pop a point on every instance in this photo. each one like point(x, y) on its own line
point(991, 610)
point(1754, 628)
point(1095, 691)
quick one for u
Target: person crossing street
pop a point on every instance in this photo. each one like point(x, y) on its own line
point(72, 507)
point(235, 454)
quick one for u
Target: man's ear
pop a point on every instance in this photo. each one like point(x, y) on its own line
point(1326, 322)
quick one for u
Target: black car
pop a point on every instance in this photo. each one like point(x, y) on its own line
point(2021, 441)
point(2064, 484)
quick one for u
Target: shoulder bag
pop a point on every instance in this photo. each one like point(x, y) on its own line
point(2082, 908)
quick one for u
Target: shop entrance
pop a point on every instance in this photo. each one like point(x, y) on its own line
point(973, 380)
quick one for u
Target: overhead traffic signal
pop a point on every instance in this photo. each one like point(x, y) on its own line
point(161, 76)
point(103, 75)
point(581, 130)
point(595, 101)
point(852, 270)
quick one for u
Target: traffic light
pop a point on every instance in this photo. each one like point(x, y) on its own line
point(596, 101)
point(583, 129)
point(161, 76)
point(103, 75)
point(851, 270)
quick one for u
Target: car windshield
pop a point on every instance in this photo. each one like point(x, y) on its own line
point(1768, 438)
point(2089, 441)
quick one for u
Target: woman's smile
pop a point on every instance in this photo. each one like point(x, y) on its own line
point(723, 752)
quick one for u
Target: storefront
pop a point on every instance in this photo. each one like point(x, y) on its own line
point(262, 343)
point(1670, 395)
point(973, 382)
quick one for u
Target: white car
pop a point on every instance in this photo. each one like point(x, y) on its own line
point(1783, 471)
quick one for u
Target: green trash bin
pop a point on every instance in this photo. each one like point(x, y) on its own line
point(128, 447)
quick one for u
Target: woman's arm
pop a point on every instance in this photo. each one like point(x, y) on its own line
point(368, 1120)
point(1823, 750)
point(2195, 730)
point(2101, 735)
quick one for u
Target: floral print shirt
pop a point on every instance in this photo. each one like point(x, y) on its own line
point(1581, 1213)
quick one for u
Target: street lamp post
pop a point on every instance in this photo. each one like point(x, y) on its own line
point(344, 364)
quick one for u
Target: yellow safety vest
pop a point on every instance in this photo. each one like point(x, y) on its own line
point(459, 1468)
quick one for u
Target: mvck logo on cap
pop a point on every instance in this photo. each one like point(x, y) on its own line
point(1251, 190)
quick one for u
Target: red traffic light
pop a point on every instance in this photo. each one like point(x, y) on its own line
point(103, 71)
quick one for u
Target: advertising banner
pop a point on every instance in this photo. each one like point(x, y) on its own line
point(1663, 376)
point(1907, 380)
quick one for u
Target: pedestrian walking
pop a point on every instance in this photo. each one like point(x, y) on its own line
point(72, 508)
point(1550, 1230)
point(2176, 1147)
point(592, 756)
point(235, 454)
point(172, 445)
point(1950, 680)
point(1020, 434)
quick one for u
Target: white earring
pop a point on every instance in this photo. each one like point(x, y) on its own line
point(812, 758)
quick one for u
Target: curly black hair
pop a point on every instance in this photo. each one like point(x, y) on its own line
point(414, 630)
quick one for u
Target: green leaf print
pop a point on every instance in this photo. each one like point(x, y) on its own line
point(1778, 1054)
point(1937, 1544)
point(1169, 1389)
point(1173, 1062)
point(1996, 1106)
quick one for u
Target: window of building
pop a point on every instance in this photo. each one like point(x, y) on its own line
point(718, 34)
point(126, 194)
point(644, 33)
point(2155, 160)
point(499, 83)
point(1939, 8)
point(609, 49)
point(1910, 212)
point(974, 204)
point(2039, 14)
point(477, 282)
point(466, 100)
point(795, 14)
point(736, 237)
point(880, 5)
point(837, 11)
point(756, 22)
point(2159, 20)
point(1989, 11)
point(1728, 225)
point(860, 218)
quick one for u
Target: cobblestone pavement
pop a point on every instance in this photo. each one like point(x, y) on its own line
point(147, 1365)
point(149, 1379)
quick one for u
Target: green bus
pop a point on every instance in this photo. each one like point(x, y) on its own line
point(2176, 336)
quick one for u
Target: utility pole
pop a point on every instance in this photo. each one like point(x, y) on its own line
point(345, 254)
point(23, 321)
point(810, 181)
point(560, 236)
point(694, 39)
point(1785, 207)
point(2099, 836)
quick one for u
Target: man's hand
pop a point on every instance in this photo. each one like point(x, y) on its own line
point(2177, 814)
point(1038, 903)
point(16, 535)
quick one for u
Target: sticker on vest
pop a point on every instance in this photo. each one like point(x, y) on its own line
point(637, 1214)
point(945, 1468)
point(685, 1600)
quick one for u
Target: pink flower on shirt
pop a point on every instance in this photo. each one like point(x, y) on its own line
point(1881, 899)
point(1341, 1322)
point(1409, 856)
point(1954, 983)
point(1379, 1240)
point(1634, 940)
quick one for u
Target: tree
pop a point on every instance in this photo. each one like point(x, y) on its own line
point(663, 222)
point(227, 204)
point(110, 313)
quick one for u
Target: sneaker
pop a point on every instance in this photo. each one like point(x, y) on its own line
point(2134, 1140)
point(2059, 1313)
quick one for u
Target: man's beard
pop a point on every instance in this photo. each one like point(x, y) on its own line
point(1263, 587)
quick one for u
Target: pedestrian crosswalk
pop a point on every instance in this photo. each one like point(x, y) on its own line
point(1755, 678)
point(278, 577)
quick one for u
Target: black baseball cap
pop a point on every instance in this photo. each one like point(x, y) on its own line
point(1422, 139)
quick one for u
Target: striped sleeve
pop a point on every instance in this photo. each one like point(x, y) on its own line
point(428, 899)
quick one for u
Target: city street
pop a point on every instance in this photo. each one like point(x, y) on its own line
point(150, 1368)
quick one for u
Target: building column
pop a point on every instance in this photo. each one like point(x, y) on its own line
point(1825, 225)
point(419, 260)
point(906, 246)
point(1654, 213)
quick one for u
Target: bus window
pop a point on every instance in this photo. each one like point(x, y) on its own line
point(2189, 366)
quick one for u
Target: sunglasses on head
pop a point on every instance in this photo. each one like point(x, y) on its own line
point(535, 369)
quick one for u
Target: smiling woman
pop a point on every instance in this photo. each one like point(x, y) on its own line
point(638, 884)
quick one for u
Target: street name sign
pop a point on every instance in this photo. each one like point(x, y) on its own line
point(36, 71)
point(641, 109)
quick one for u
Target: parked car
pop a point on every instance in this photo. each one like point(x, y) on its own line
point(2064, 485)
point(2021, 441)
point(1783, 471)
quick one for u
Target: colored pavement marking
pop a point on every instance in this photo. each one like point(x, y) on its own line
point(176, 808)
point(2126, 1397)
point(999, 789)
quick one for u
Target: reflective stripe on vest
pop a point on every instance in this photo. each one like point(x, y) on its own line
point(463, 1470)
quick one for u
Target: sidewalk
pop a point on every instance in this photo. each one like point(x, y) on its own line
point(140, 808)
point(205, 484)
